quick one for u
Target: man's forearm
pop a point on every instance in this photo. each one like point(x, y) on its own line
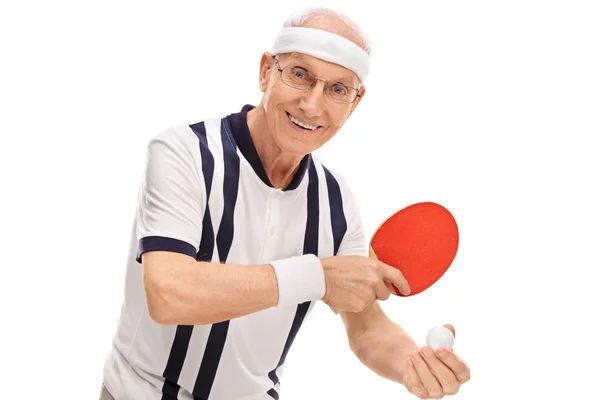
point(205, 293)
point(384, 348)
point(182, 291)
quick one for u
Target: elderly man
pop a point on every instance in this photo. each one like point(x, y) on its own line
point(240, 229)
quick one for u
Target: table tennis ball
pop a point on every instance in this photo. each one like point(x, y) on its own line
point(440, 336)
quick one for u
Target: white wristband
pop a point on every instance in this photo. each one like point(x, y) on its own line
point(300, 279)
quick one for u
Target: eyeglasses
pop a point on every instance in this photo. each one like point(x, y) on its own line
point(301, 79)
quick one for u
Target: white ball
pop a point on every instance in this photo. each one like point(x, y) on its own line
point(440, 336)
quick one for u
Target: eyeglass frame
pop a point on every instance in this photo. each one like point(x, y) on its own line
point(328, 84)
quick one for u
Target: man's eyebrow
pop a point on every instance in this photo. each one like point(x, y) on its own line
point(349, 78)
point(298, 61)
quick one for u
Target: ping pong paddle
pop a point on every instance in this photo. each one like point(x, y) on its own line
point(420, 240)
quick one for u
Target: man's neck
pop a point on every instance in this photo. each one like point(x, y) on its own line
point(279, 166)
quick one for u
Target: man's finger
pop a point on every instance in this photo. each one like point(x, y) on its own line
point(390, 287)
point(441, 371)
point(372, 253)
point(393, 275)
point(460, 369)
point(451, 328)
point(383, 292)
point(411, 380)
point(430, 382)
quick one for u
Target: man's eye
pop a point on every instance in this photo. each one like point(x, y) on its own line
point(340, 90)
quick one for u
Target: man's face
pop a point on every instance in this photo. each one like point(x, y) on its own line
point(285, 105)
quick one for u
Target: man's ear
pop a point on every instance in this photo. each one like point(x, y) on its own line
point(267, 63)
point(362, 92)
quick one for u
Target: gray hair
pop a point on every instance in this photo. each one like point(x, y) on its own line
point(302, 17)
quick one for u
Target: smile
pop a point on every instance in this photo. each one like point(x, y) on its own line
point(302, 124)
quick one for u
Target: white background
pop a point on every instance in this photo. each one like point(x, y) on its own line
point(489, 108)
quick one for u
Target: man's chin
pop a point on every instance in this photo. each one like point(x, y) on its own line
point(298, 147)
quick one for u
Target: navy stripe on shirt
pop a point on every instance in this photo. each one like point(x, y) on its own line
point(183, 333)
point(336, 208)
point(206, 249)
point(218, 333)
point(161, 243)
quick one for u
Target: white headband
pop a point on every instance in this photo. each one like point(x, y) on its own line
point(324, 45)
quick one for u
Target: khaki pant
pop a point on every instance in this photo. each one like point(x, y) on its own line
point(105, 395)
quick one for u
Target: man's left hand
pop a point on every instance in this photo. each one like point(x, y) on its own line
point(434, 374)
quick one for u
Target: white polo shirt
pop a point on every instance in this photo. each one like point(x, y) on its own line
point(205, 193)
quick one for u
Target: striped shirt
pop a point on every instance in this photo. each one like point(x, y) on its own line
point(206, 194)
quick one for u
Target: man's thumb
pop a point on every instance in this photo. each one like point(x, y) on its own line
point(451, 328)
point(372, 254)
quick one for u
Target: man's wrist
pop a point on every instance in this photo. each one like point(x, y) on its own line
point(299, 279)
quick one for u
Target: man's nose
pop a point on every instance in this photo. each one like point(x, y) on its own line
point(312, 102)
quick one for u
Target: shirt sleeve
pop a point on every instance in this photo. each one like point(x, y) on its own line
point(354, 241)
point(171, 199)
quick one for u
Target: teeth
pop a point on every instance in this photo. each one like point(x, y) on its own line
point(302, 124)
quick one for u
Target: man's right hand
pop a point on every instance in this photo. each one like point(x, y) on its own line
point(354, 283)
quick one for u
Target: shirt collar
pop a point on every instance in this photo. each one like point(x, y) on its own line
point(241, 133)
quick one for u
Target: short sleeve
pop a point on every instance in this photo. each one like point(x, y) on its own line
point(354, 240)
point(171, 199)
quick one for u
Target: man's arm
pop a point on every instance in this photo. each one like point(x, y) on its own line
point(181, 291)
point(169, 226)
point(388, 350)
point(378, 342)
